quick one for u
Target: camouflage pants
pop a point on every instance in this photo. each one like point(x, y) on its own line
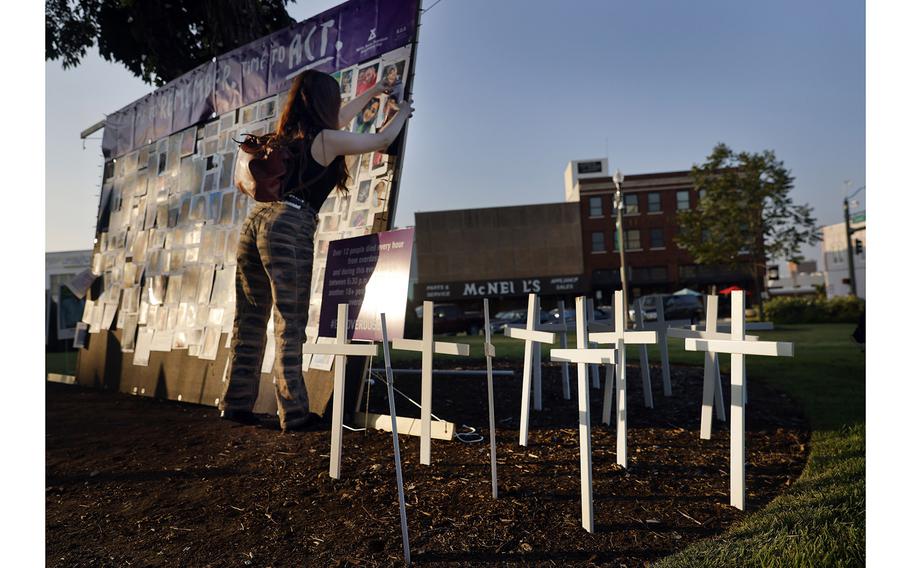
point(274, 267)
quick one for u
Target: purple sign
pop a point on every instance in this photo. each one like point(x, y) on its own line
point(342, 36)
point(193, 96)
point(370, 274)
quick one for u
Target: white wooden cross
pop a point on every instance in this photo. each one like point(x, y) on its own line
point(531, 336)
point(750, 326)
point(738, 348)
point(427, 347)
point(712, 393)
point(643, 362)
point(561, 329)
point(402, 513)
point(619, 337)
point(489, 352)
point(584, 356)
point(595, 369)
point(342, 350)
point(660, 326)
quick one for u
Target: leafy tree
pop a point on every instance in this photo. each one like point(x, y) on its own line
point(157, 40)
point(745, 214)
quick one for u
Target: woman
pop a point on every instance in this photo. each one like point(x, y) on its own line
point(275, 254)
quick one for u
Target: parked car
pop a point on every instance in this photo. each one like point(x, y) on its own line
point(514, 318)
point(553, 316)
point(682, 307)
point(508, 317)
point(453, 319)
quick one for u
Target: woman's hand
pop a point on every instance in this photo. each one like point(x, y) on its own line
point(407, 108)
point(381, 87)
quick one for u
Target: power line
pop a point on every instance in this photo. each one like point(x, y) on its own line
point(431, 6)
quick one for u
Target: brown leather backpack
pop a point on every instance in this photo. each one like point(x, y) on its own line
point(260, 167)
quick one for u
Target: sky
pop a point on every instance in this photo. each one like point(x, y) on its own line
point(508, 92)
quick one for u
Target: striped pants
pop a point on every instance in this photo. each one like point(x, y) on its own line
point(274, 267)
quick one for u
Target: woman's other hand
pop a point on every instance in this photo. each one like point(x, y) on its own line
point(407, 107)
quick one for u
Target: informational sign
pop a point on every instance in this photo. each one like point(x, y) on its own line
point(543, 285)
point(370, 274)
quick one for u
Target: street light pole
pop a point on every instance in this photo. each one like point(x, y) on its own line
point(618, 206)
point(849, 232)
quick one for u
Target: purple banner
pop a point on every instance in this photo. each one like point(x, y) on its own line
point(118, 132)
point(144, 121)
point(228, 83)
point(193, 96)
point(164, 112)
point(342, 36)
point(309, 45)
point(369, 274)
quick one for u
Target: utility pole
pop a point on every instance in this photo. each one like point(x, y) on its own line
point(848, 231)
point(618, 206)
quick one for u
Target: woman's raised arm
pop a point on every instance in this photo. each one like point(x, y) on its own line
point(330, 144)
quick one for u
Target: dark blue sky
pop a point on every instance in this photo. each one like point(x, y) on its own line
point(508, 91)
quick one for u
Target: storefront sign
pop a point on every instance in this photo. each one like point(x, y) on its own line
point(543, 285)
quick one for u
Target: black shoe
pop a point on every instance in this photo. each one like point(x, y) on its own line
point(299, 421)
point(240, 416)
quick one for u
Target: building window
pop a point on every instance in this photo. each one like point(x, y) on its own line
point(605, 277)
point(597, 242)
point(631, 239)
point(589, 167)
point(649, 274)
point(631, 202)
point(596, 207)
point(687, 271)
point(682, 200)
point(702, 193)
point(657, 238)
point(654, 202)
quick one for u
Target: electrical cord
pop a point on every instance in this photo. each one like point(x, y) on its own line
point(469, 437)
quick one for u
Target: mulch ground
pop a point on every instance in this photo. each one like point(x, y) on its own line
point(133, 481)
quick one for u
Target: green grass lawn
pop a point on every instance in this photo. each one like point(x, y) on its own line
point(820, 520)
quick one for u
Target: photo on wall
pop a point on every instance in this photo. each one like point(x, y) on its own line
point(393, 76)
point(363, 191)
point(347, 81)
point(366, 119)
point(367, 76)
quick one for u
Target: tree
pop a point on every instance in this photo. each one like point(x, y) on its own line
point(157, 40)
point(745, 214)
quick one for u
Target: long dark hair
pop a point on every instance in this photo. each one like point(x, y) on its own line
point(313, 102)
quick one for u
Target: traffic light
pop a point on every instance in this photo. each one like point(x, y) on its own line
point(858, 246)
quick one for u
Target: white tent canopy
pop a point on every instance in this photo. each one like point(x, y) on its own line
point(687, 292)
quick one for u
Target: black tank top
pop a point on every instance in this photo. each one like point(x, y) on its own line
point(306, 178)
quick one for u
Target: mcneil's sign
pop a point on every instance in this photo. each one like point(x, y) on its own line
point(548, 285)
point(337, 38)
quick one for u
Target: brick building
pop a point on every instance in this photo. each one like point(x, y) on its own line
point(503, 253)
point(655, 262)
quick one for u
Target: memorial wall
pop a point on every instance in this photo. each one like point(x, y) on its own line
point(159, 315)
